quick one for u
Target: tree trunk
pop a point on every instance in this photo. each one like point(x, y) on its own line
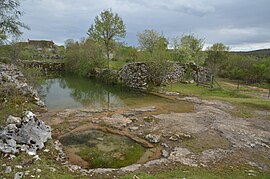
point(212, 81)
point(269, 93)
point(108, 58)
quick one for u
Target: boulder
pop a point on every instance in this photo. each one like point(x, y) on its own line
point(28, 135)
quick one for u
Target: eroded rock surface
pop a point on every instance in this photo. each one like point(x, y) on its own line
point(27, 134)
point(11, 74)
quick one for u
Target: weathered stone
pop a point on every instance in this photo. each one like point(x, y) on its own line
point(13, 120)
point(8, 169)
point(131, 168)
point(52, 169)
point(11, 74)
point(18, 175)
point(152, 138)
point(117, 120)
point(134, 75)
point(145, 109)
point(195, 100)
point(137, 75)
point(29, 135)
point(165, 153)
point(134, 128)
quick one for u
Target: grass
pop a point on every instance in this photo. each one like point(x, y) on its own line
point(45, 164)
point(245, 99)
point(201, 173)
point(13, 103)
point(117, 64)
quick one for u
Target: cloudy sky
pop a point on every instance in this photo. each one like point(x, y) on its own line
point(240, 24)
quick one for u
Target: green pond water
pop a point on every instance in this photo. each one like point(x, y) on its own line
point(97, 149)
point(71, 91)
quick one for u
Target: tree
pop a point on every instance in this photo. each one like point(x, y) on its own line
point(149, 39)
point(84, 56)
point(188, 48)
point(155, 54)
point(10, 23)
point(107, 28)
point(216, 55)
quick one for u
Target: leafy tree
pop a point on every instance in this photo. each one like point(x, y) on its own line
point(216, 55)
point(10, 23)
point(107, 28)
point(155, 55)
point(188, 48)
point(83, 57)
point(126, 53)
point(149, 39)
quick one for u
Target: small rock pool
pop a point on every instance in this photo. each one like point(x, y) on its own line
point(97, 149)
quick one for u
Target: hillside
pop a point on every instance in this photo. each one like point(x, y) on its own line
point(261, 52)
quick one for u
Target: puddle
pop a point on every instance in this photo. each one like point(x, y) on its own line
point(97, 149)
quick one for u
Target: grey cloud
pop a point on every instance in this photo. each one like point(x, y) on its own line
point(233, 22)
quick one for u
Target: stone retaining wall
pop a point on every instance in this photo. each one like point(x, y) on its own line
point(46, 66)
point(136, 75)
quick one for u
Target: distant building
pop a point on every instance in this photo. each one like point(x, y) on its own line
point(41, 43)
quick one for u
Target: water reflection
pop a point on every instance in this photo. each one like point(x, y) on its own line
point(71, 91)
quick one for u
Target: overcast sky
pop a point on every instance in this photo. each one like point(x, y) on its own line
point(240, 24)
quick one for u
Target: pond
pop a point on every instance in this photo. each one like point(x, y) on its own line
point(97, 149)
point(72, 91)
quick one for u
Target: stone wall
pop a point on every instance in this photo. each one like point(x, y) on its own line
point(136, 75)
point(11, 74)
point(46, 66)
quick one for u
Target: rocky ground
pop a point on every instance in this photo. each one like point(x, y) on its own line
point(208, 137)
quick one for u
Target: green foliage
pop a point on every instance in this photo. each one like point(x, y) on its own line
point(107, 28)
point(4, 51)
point(247, 68)
point(188, 48)
point(126, 53)
point(216, 55)
point(158, 60)
point(9, 19)
point(150, 39)
point(83, 57)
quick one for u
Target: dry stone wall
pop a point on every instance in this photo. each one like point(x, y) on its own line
point(11, 74)
point(136, 75)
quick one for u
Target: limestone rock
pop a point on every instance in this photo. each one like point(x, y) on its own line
point(8, 169)
point(11, 74)
point(13, 120)
point(28, 135)
point(145, 109)
point(152, 138)
point(18, 175)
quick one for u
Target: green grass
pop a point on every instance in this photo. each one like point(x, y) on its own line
point(45, 164)
point(244, 99)
point(200, 173)
point(116, 65)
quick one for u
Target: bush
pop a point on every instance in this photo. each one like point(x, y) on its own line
point(83, 57)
